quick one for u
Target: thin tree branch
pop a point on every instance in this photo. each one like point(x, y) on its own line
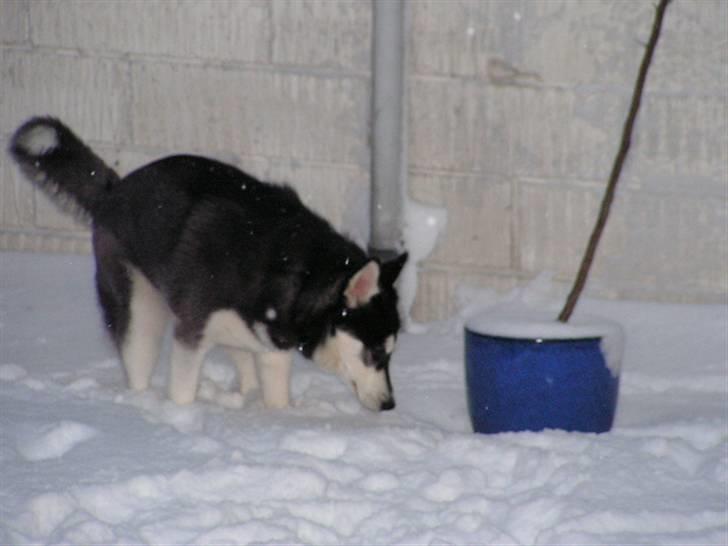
point(619, 159)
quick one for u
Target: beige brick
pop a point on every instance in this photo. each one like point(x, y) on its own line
point(86, 93)
point(508, 42)
point(437, 290)
point(250, 113)
point(322, 33)
point(656, 245)
point(692, 57)
point(564, 134)
point(435, 296)
point(204, 29)
point(679, 241)
point(570, 42)
point(16, 194)
point(677, 142)
point(554, 224)
point(681, 143)
point(478, 232)
point(13, 21)
point(42, 241)
point(49, 215)
point(338, 194)
point(460, 125)
point(460, 37)
point(574, 43)
point(464, 125)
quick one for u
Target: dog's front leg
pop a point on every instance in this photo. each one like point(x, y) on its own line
point(184, 375)
point(275, 371)
point(247, 374)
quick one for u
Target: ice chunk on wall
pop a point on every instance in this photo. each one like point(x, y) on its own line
point(422, 227)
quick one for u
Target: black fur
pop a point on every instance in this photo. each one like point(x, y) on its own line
point(209, 236)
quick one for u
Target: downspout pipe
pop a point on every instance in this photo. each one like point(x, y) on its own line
point(388, 169)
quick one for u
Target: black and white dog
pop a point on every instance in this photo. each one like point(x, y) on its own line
point(232, 260)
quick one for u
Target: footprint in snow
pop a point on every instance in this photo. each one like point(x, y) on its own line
point(379, 482)
point(12, 372)
point(320, 445)
point(52, 440)
point(448, 487)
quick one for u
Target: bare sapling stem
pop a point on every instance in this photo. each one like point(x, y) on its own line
point(619, 159)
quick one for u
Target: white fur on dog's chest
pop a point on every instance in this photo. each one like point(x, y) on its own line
point(225, 327)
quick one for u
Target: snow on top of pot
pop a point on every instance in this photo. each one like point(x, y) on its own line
point(521, 322)
point(526, 323)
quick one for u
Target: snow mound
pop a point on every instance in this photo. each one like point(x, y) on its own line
point(50, 441)
point(12, 372)
point(310, 443)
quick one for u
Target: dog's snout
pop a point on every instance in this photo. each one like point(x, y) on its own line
point(387, 405)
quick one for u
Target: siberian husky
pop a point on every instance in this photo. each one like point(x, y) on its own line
point(230, 260)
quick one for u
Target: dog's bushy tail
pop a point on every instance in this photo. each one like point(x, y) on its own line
point(58, 162)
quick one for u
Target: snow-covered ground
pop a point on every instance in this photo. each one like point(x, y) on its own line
point(84, 461)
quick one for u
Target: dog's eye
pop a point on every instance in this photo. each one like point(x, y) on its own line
point(368, 358)
point(376, 357)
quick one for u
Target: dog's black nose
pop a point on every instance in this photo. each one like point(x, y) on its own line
point(387, 405)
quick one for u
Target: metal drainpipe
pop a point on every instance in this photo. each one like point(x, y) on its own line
point(388, 164)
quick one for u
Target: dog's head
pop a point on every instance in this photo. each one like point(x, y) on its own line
point(364, 332)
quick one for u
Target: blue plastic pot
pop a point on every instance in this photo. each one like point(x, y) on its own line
point(564, 377)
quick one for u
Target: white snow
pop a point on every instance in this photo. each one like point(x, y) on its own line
point(83, 460)
point(11, 372)
point(36, 441)
point(517, 320)
point(537, 324)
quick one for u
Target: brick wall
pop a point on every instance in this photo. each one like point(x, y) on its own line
point(280, 88)
point(514, 113)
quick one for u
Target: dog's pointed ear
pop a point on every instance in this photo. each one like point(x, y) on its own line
point(392, 269)
point(363, 286)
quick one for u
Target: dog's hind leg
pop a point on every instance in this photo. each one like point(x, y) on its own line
point(114, 306)
point(134, 313)
point(247, 374)
point(275, 371)
point(148, 317)
point(113, 285)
